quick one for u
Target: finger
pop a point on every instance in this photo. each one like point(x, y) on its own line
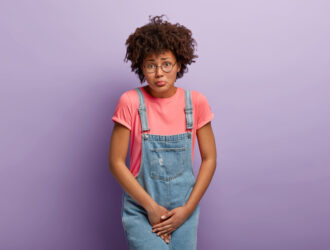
point(165, 231)
point(167, 238)
point(166, 241)
point(161, 228)
point(169, 233)
point(164, 223)
point(167, 215)
point(164, 238)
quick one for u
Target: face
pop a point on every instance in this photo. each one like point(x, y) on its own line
point(160, 83)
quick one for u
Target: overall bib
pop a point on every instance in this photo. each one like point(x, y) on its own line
point(166, 173)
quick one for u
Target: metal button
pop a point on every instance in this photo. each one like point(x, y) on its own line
point(189, 135)
point(145, 136)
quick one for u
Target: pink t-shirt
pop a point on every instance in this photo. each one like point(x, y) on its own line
point(166, 116)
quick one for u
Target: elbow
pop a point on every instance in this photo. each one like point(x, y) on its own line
point(114, 165)
point(210, 161)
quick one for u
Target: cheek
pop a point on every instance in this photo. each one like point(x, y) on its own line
point(147, 77)
point(173, 76)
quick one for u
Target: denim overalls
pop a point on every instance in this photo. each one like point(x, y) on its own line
point(166, 173)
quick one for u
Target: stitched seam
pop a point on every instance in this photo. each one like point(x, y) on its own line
point(167, 149)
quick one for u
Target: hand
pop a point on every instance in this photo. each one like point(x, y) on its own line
point(172, 220)
point(166, 237)
point(154, 215)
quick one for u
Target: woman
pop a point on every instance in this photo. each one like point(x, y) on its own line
point(160, 205)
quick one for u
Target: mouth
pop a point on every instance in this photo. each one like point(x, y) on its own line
point(160, 83)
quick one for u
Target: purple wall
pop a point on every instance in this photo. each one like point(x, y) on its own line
point(264, 67)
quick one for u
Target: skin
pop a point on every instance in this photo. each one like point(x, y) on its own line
point(163, 222)
point(152, 88)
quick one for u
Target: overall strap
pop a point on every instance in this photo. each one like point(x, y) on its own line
point(142, 111)
point(188, 109)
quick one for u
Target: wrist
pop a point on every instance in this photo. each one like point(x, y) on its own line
point(189, 208)
point(151, 206)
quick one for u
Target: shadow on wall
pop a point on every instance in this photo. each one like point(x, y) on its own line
point(103, 227)
point(114, 234)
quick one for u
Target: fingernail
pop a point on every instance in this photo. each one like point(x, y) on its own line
point(163, 217)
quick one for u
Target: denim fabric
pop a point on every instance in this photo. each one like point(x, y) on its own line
point(166, 173)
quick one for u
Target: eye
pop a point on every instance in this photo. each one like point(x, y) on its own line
point(167, 64)
point(150, 66)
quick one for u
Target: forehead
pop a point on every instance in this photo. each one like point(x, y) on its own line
point(160, 56)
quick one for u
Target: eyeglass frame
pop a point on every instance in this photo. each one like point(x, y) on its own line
point(144, 66)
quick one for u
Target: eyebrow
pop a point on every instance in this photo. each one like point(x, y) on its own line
point(163, 58)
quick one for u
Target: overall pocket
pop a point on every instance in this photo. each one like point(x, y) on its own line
point(167, 163)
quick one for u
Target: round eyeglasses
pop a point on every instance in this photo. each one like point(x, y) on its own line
point(166, 67)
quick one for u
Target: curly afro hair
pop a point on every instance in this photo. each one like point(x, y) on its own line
point(156, 37)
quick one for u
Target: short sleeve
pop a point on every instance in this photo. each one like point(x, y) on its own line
point(123, 112)
point(204, 113)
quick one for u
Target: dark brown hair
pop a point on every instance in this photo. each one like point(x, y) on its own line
point(158, 36)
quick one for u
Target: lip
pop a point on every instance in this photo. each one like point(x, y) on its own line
point(160, 83)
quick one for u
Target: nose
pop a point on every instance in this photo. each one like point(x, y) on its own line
point(159, 71)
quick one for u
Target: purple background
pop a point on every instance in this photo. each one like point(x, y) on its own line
point(264, 67)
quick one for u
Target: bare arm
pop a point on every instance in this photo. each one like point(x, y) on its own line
point(117, 155)
point(177, 216)
point(207, 147)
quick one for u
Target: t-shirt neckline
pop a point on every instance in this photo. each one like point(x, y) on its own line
point(161, 99)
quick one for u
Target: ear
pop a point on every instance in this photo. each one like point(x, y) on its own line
point(179, 67)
